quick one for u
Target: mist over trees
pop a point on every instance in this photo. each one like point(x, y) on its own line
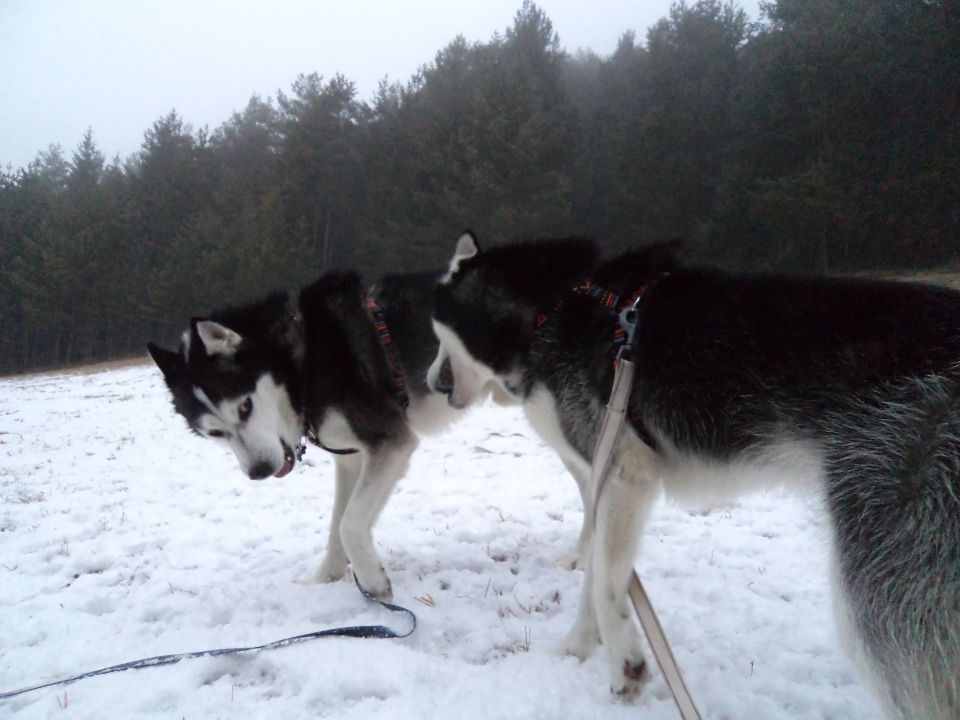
point(825, 138)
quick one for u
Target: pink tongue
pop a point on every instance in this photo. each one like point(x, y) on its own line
point(285, 468)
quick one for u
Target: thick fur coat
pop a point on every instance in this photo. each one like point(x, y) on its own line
point(848, 386)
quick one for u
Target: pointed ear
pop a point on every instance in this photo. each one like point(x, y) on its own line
point(167, 360)
point(467, 248)
point(217, 339)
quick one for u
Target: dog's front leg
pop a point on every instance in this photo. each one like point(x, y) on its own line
point(622, 510)
point(334, 565)
point(381, 468)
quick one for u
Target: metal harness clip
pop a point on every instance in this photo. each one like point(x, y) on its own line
point(629, 320)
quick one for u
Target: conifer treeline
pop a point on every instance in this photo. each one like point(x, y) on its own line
point(825, 138)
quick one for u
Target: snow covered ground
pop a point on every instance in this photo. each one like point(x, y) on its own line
point(123, 536)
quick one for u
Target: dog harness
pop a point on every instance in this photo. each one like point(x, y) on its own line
point(606, 299)
point(616, 304)
point(389, 350)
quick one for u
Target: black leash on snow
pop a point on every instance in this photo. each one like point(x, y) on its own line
point(355, 631)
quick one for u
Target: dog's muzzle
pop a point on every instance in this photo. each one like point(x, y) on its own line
point(264, 469)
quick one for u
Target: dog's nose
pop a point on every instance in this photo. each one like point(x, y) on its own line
point(261, 470)
point(445, 378)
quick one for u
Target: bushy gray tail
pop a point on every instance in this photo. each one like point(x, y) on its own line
point(893, 466)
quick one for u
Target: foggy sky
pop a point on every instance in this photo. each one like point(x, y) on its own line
point(118, 65)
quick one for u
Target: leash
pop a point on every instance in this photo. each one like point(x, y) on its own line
point(354, 631)
point(610, 431)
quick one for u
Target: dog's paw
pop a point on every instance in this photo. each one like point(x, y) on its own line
point(317, 578)
point(330, 570)
point(633, 678)
point(377, 587)
point(569, 561)
point(581, 642)
point(577, 558)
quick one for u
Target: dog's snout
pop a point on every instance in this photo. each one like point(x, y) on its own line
point(445, 378)
point(261, 470)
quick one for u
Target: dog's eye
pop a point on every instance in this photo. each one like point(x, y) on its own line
point(216, 433)
point(246, 407)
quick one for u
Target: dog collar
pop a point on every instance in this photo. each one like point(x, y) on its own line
point(311, 435)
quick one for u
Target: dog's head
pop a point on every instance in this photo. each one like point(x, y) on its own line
point(484, 308)
point(238, 389)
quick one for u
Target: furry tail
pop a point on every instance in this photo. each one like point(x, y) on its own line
point(894, 496)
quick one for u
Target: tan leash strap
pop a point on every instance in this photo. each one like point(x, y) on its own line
point(661, 649)
point(610, 427)
point(610, 430)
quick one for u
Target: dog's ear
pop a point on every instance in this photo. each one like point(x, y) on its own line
point(217, 339)
point(467, 245)
point(467, 248)
point(167, 360)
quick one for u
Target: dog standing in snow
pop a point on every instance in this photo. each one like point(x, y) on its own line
point(850, 385)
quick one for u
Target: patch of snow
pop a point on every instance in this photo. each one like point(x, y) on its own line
point(123, 536)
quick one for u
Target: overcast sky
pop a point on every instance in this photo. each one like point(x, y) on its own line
point(118, 65)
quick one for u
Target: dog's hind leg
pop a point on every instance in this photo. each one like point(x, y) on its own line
point(622, 510)
point(381, 467)
point(578, 558)
point(334, 565)
point(584, 636)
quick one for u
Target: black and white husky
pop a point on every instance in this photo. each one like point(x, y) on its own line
point(851, 386)
point(344, 367)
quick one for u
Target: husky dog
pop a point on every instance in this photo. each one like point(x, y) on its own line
point(259, 377)
point(850, 386)
point(344, 368)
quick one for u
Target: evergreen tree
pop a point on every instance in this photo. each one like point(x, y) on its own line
point(824, 139)
point(320, 165)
